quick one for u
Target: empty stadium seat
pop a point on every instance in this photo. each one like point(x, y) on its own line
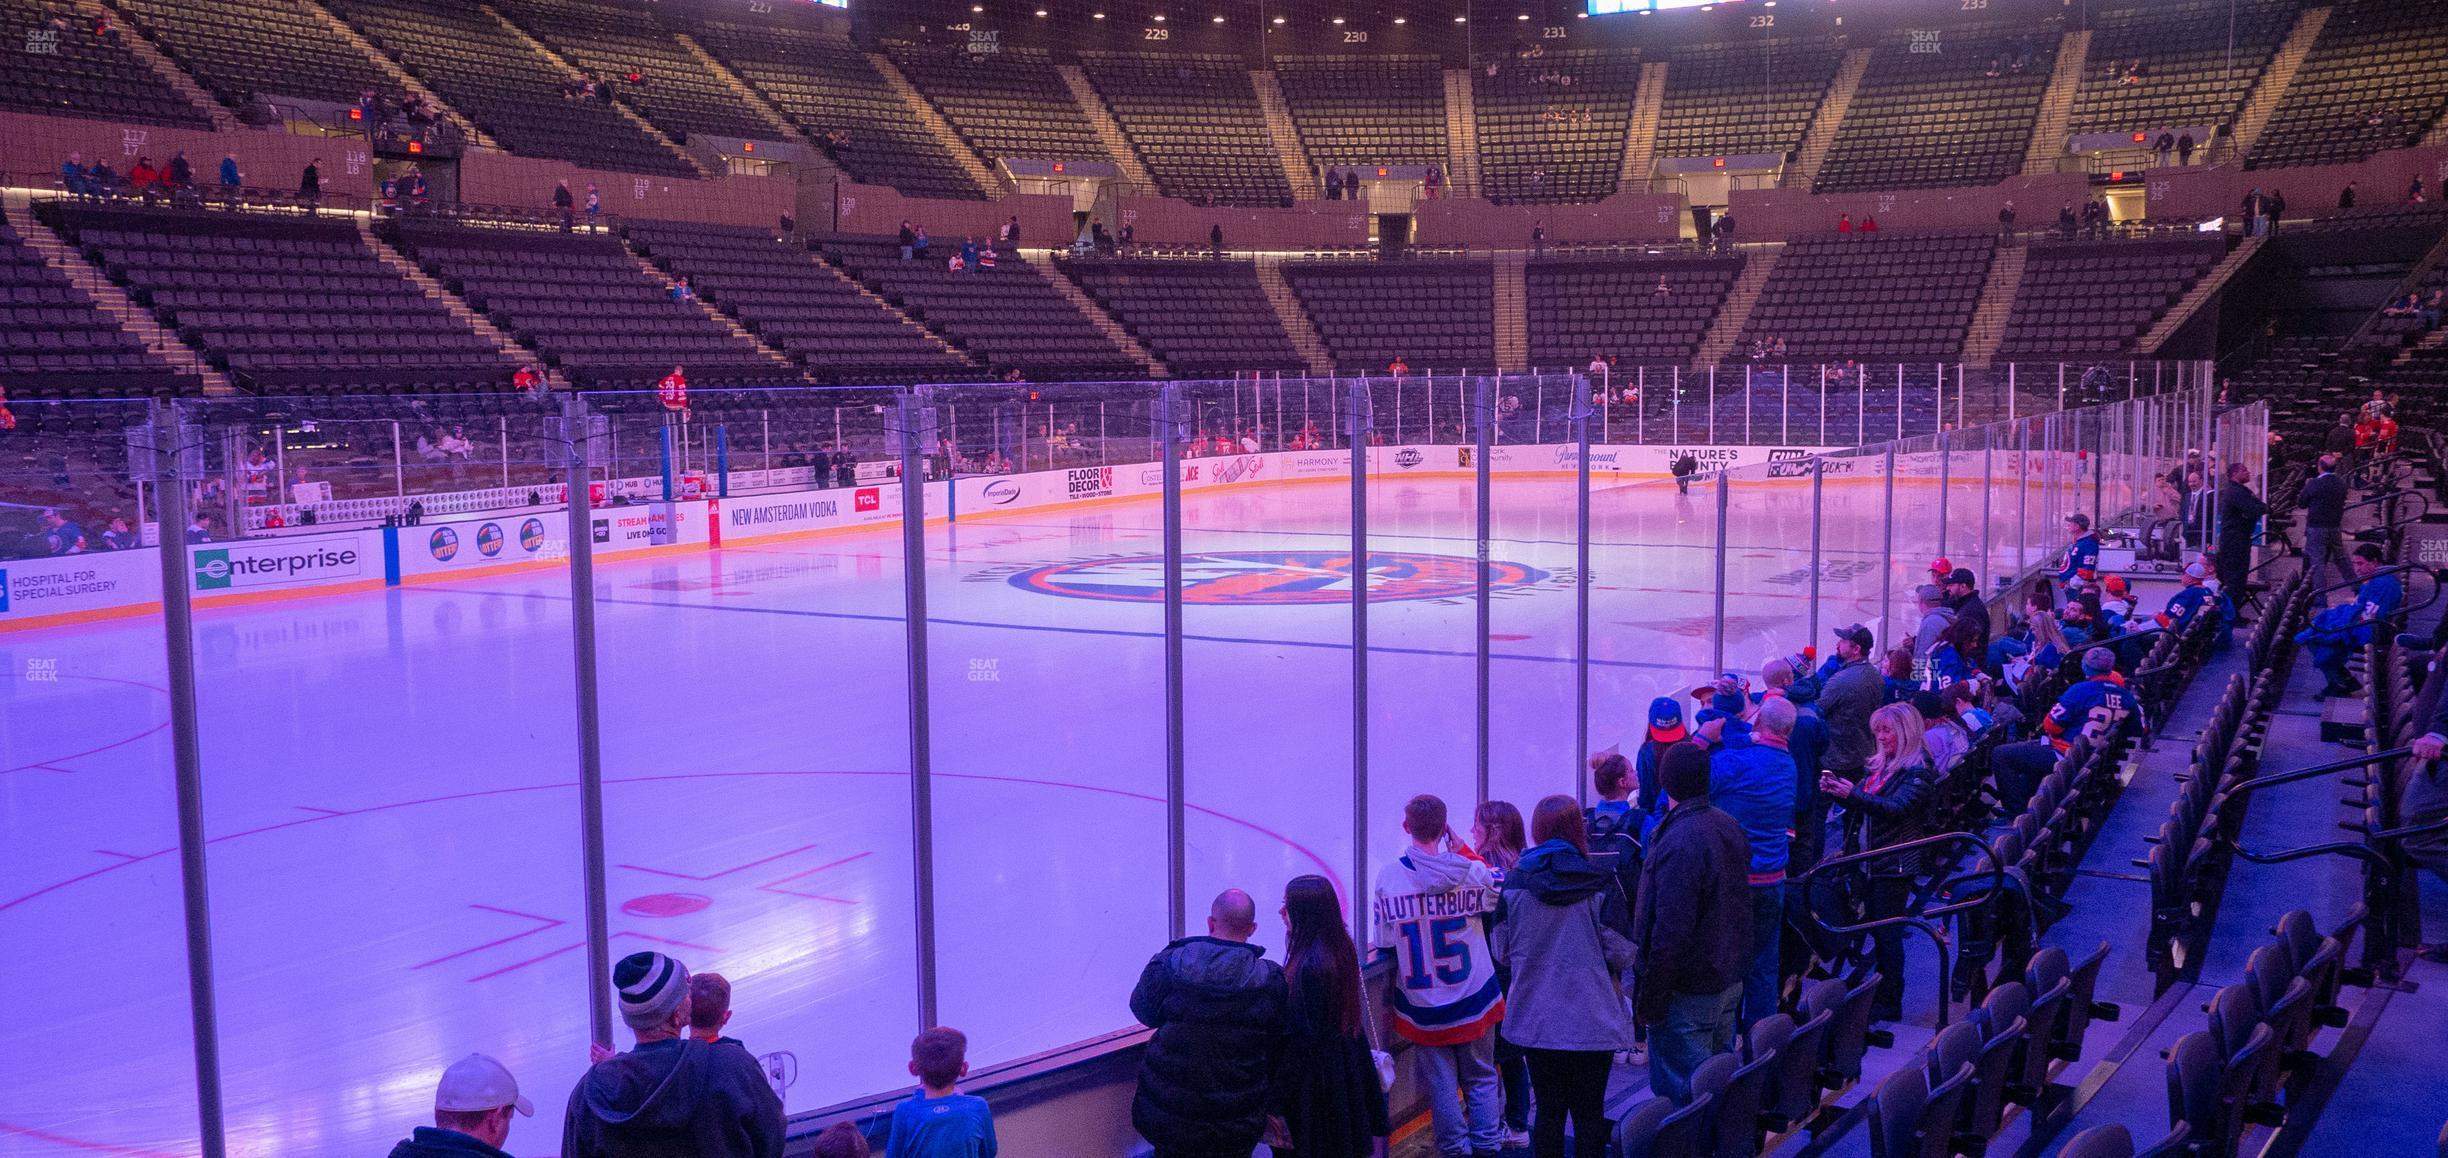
point(57, 63)
point(1203, 318)
point(1008, 317)
point(1552, 126)
point(471, 60)
point(1894, 295)
point(1196, 123)
point(1009, 103)
point(584, 303)
point(798, 304)
point(824, 83)
point(611, 39)
point(287, 304)
point(2376, 79)
point(1432, 314)
point(1366, 110)
point(1927, 116)
point(1746, 98)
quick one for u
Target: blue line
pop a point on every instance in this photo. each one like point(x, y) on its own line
point(863, 617)
point(1377, 535)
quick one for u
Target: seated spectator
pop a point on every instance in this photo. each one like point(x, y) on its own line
point(472, 1108)
point(2338, 633)
point(682, 291)
point(1844, 223)
point(2404, 307)
point(1942, 734)
point(2095, 708)
point(118, 537)
point(144, 178)
point(73, 180)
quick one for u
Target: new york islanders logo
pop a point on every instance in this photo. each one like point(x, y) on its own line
point(1273, 578)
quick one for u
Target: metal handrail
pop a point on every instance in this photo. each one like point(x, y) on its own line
point(2247, 787)
point(1917, 916)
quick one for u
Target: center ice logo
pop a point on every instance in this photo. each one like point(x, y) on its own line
point(1272, 577)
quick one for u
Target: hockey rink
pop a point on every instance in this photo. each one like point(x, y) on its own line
point(391, 806)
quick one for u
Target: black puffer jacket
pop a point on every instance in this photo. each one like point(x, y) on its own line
point(1898, 812)
point(1219, 1011)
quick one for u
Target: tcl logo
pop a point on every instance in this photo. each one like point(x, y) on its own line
point(867, 499)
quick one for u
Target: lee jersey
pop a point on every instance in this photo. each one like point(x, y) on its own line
point(2093, 708)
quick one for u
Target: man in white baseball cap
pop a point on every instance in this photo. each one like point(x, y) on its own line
point(472, 1107)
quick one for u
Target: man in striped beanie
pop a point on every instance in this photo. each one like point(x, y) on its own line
point(671, 1096)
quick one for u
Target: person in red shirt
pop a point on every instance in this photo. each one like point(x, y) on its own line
point(143, 178)
point(1844, 224)
point(1869, 225)
point(674, 391)
point(8, 420)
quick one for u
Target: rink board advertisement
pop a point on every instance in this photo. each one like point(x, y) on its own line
point(478, 543)
point(47, 592)
point(36, 590)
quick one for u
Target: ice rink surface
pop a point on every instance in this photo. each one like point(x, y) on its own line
point(391, 804)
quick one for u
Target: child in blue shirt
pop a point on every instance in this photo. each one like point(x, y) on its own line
point(940, 1121)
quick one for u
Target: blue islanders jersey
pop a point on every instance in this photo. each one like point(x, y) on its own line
point(2094, 708)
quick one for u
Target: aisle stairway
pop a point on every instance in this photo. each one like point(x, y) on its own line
point(1296, 324)
point(1640, 135)
point(223, 119)
point(2048, 141)
point(726, 321)
point(458, 307)
point(1108, 130)
point(1104, 322)
point(1736, 310)
point(1512, 312)
point(1997, 298)
point(109, 297)
point(401, 78)
point(2272, 88)
point(1304, 180)
point(814, 165)
point(1461, 135)
point(1822, 133)
point(2190, 304)
point(923, 111)
point(573, 72)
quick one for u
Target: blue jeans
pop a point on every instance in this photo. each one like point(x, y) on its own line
point(1697, 1026)
point(1465, 1099)
point(1761, 984)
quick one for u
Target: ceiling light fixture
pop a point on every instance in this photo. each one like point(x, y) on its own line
point(1400, 20)
point(1219, 20)
point(1279, 20)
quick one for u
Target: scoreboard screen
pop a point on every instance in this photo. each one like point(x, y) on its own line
point(1609, 7)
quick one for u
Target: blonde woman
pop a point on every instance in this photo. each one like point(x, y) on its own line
point(1890, 805)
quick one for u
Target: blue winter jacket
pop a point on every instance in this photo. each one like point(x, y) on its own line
point(1754, 783)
